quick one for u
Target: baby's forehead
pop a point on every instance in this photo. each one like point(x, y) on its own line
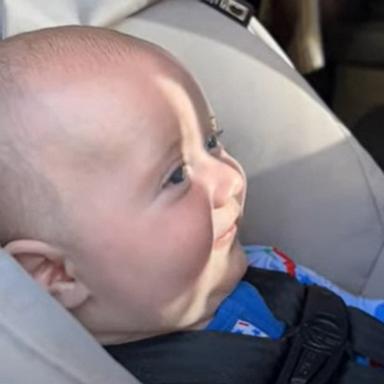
point(125, 116)
point(103, 99)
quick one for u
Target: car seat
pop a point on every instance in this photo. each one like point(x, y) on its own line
point(41, 343)
point(313, 191)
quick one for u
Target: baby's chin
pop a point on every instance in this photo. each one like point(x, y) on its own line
point(229, 277)
point(236, 266)
point(239, 258)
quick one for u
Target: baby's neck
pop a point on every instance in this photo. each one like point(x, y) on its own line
point(117, 338)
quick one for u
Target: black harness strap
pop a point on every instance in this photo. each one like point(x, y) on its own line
point(320, 344)
point(358, 374)
point(282, 293)
point(367, 335)
point(317, 347)
point(202, 358)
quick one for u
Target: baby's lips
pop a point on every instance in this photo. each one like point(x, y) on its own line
point(226, 217)
point(226, 237)
point(230, 229)
point(223, 230)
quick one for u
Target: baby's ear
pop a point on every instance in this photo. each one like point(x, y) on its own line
point(48, 267)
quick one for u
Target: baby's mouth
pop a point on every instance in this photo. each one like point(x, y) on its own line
point(226, 222)
point(226, 237)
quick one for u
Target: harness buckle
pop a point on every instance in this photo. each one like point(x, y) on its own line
point(319, 346)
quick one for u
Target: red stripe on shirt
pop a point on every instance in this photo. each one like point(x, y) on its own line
point(289, 264)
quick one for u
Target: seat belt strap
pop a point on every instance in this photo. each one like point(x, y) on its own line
point(315, 353)
point(367, 335)
point(320, 343)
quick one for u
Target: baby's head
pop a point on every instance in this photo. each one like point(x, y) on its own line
point(116, 194)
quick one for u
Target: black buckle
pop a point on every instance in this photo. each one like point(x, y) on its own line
point(319, 346)
point(238, 10)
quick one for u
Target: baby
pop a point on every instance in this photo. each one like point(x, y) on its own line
point(116, 193)
point(117, 196)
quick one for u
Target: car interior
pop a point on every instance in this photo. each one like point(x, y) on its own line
point(313, 190)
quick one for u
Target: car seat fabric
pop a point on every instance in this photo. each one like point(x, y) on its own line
point(40, 342)
point(17, 16)
point(313, 191)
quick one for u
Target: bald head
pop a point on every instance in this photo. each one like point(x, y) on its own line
point(38, 128)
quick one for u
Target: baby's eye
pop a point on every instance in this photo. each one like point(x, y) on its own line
point(178, 176)
point(213, 140)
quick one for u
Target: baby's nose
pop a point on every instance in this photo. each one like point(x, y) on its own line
point(229, 183)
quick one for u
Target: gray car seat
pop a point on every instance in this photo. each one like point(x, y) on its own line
point(313, 191)
point(40, 342)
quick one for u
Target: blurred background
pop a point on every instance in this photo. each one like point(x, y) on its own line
point(338, 45)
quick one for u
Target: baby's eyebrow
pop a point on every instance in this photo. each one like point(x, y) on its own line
point(174, 144)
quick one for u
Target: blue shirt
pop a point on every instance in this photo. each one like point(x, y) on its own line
point(245, 311)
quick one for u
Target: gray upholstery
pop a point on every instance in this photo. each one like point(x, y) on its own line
point(40, 343)
point(312, 190)
point(17, 16)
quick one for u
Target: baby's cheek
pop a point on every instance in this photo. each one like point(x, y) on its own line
point(189, 234)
